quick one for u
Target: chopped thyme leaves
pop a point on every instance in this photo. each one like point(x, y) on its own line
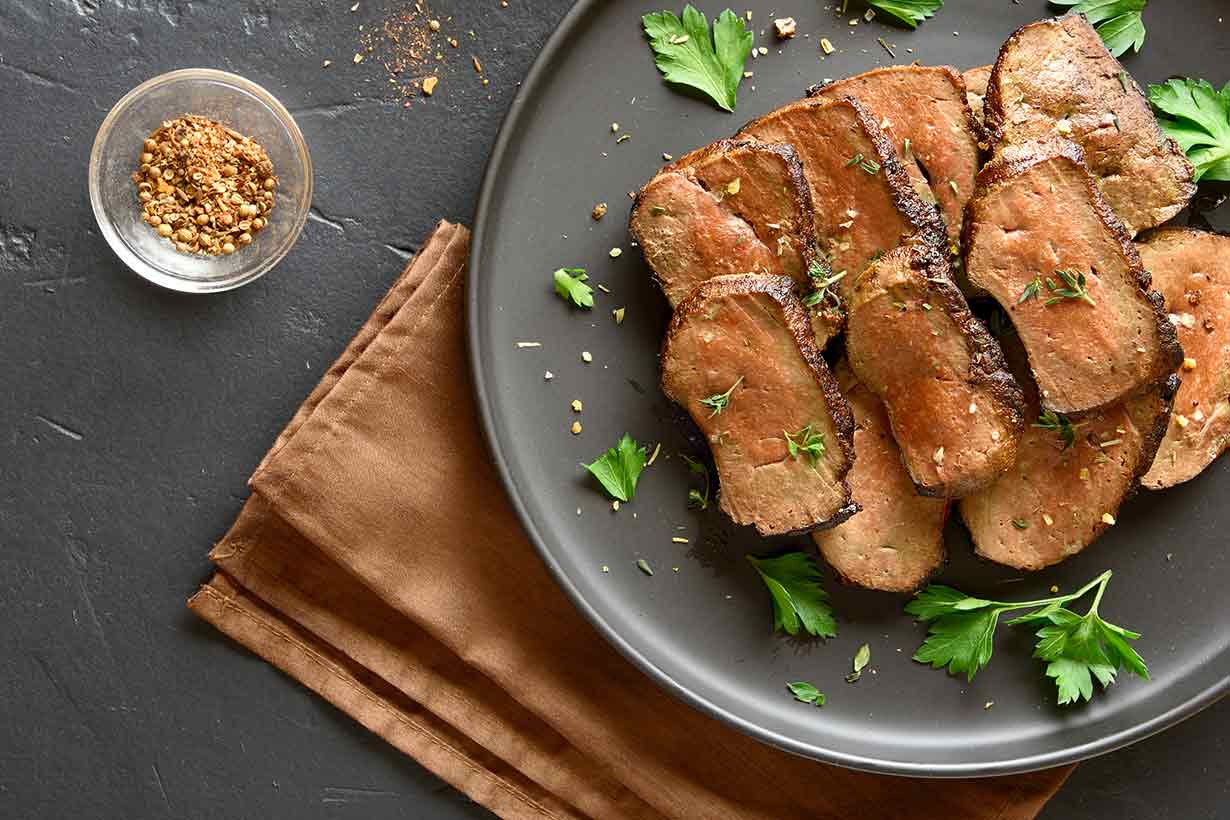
point(697, 499)
point(657, 210)
point(822, 284)
point(720, 401)
point(805, 692)
point(1066, 430)
point(643, 566)
point(861, 659)
point(806, 442)
point(870, 166)
point(1031, 290)
point(1075, 288)
point(1020, 523)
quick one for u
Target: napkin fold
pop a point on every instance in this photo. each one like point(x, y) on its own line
point(379, 563)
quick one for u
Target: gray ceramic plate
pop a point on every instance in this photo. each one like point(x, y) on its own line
point(704, 632)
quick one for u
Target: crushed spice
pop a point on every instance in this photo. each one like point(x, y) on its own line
point(204, 187)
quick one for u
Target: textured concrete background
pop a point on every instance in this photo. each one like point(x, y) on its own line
point(131, 417)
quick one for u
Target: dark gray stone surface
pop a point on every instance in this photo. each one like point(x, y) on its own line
point(131, 417)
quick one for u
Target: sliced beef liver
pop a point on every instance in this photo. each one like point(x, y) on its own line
point(1055, 78)
point(897, 541)
point(1037, 211)
point(753, 328)
point(976, 80)
point(956, 411)
point(924, 113)
point(1191, 269)
point(731, 207)
point(1051, 503)
point(869, 202)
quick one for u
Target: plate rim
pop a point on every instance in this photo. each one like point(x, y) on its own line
point(482, 217)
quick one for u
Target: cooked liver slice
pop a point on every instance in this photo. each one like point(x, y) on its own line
point(897, 542)
point(1037, 210)
point(862, 213)
point(752, 327)
point(1055, 78)
point(927, 106)
point(1191, 269)
point(1074, 488)
point(690, 227)
point(976, 80)
point(956, 411)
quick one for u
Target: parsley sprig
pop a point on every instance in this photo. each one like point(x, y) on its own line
point(570, 284)
point(619, 468)
point(687, 56)
point(799, 602)
point(1197, 116)
point(907, 12)
point(1077, 649)
point(1059, 423)
point(720, 401)
point(1118, 22)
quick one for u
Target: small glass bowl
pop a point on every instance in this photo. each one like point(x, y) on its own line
point(234, 102)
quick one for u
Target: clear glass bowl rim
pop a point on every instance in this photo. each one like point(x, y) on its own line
point(134, 261)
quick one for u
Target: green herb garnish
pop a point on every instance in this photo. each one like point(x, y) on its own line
point(1057, 422)
point(720, 401)
point(805, 692)
point(805, 442)
point(643, 566)
point(687, 56)
point(697, 499)
point(570, 284)
point(907, 12)
point(1118, 22)
point(619, 468)
point(1076, 648)
point(1074, 288)
point(1020, 523)
point(1031, 290)
point(1197, 116)
point(799, 602)
point(861, 658)
point(821, 285)
point(870, 166)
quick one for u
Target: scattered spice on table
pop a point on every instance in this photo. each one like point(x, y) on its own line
point(204, 187)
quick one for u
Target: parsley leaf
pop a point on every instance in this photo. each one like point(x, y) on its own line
point(1197, 116)
point(907, 12)
point(720, 401)
point(805, 692)
point(687, 56)
point(619, 468)
point(798, 599)
point(1077, 649)
point(1118, 22)
point(821, 283)
point(570, 284)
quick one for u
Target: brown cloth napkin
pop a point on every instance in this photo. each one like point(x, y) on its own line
point(379, 563)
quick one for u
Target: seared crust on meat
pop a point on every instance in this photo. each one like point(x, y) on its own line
point(690, 227)
point(1015, 162)
point(897, 542)
point(1059, 71)
point(976, 81)
point(957, 413)
point(1191, 269)
point(828, 135)
point(927, 108)
point(745, 330)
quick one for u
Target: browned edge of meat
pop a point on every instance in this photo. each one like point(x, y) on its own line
point(976, 81)
point(1053, 503)
point(923, 107)
point(690, 226)
point(1191, 269)
point(849, 242)
point(1015, 161)
point(770, 394)
point(956, 411)
point(897, 542)
point(1144, 175)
